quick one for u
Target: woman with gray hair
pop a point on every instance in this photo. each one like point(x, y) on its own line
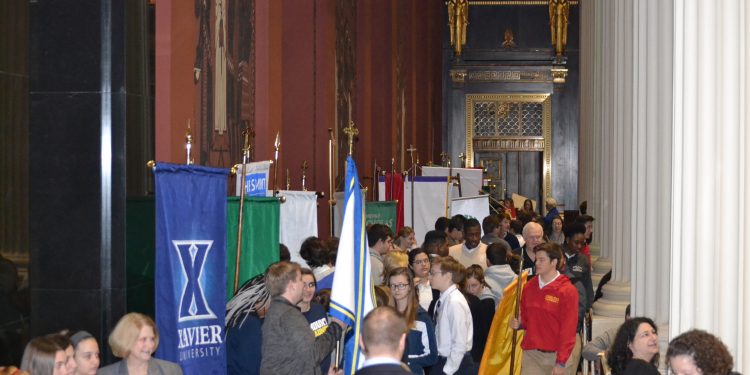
point(552, 212)
point(245, 313)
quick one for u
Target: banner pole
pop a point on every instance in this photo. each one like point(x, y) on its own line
point(448, 189)
point(413, 170)
point(331, 183)
point(245, 152)
point(276, 146)
point(515, 315)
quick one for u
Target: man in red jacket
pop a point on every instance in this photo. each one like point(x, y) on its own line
point(549, 314)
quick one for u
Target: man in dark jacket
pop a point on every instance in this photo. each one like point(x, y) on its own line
point(289, 346)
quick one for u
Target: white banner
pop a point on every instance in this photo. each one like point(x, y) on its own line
point(298, 219)
point(477, 207)
point(471, 179)
point(256, 180)
point(429, 202)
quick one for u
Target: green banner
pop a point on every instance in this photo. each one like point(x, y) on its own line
point(260, 237)
point(381, 213)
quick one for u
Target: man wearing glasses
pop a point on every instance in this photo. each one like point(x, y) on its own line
point(453, 324)
point(533, 236)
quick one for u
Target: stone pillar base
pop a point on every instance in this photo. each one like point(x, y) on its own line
point(616, 299)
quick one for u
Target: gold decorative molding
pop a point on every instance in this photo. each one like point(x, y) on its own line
point(458, 75)
point(509, 76)
point(559, 75)
point(513, 2)
point(508, 144)
point(513, 143)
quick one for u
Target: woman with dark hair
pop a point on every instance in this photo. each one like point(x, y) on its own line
point(62, 340)
point(421, 345)
point(419, 264)
point(86, 353)
point(699, 352)
point(315, 252)
point(528, 210)
point(635, 350)
point(556, 235)
point(314, 312)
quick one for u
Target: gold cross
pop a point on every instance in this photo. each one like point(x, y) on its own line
point(351, 132)
point(249, 134)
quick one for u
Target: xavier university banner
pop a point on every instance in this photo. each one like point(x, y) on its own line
point(191, 266)
point(381, 213)
point(260, 238)
point(299, 220)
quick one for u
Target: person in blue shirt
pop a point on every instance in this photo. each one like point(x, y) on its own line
point(552, 212)
point(245, 313)
point(314, 312)
point(421, 346)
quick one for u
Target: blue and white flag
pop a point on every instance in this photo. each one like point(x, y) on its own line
point(351, 296)
point(191, 232)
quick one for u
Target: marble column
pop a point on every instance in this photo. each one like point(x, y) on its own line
point(607, 138)
point(710, 178)
point(652, 162)
point(77, 129)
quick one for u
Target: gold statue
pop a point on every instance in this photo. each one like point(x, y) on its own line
point(558, 25)
point(458, 19)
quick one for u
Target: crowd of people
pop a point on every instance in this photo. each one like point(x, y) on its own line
point(134, 339)
point(435, 305)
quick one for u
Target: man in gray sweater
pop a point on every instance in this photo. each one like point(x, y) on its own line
point(289, 346)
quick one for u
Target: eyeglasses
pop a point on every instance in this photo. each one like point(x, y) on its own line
point(433, 273)
point(421, 262)
point(399, 286)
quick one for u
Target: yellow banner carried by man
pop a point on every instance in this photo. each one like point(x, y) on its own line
point(497, 352)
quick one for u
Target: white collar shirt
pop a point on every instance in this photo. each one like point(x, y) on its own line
point(453, 328)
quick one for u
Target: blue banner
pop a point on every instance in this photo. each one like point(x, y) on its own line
point(352, 296)
point(191, 263)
